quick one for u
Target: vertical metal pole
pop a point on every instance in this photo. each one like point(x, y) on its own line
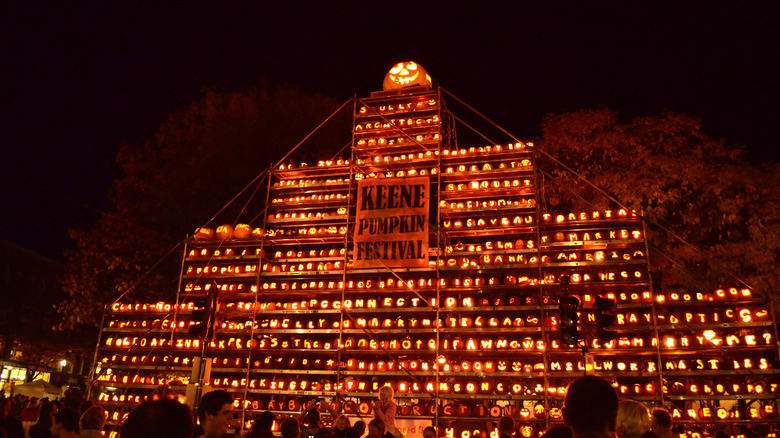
point(439, 255)
point(249, 347)
point(178, 291)
point(345, 259)
point(546, 336)
point(660, 380)
point(95, 359)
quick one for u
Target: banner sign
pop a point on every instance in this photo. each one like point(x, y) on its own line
point(391, 223)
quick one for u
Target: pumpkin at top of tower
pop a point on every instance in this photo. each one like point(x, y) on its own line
point(406, 74)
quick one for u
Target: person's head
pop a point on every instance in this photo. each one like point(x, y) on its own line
point(633, 419)
point(65, 422)
point(385, 394)
point(262, 425)
point(506, 425)
point(164, 418)
point(590, 405)
point(359, 428)
point(265, 420)
point(290, 428)
point(313, 418)
point(93, 418)
point(215, 412)
point(429, 432)
point(376, 427)
point(74, 397)
point(660, 420)
point(557, 432)
point(86, 405)
point(45, 411)
point(5, 407)
point(342, 422)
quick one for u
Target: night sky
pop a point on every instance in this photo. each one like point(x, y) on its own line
point(79, 79)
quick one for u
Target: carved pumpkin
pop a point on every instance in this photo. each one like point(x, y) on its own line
point(224, 232)
point(406, 74)
point(242, 231)
point(204, 234)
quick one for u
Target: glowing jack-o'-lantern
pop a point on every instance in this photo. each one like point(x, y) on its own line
point(242, 231)
point(406, 74)
point(224, 232)
point(768, 411)
point(204, 234)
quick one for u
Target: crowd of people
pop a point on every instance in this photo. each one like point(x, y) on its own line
point(591, 410)
point(69, 417)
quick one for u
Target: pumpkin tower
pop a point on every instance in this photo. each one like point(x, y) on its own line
point(429, 266)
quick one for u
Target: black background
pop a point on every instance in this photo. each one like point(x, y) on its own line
point(80, 78)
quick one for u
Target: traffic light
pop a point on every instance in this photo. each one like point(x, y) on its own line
point(201, 320)
point(604, 319)
point(570, 319)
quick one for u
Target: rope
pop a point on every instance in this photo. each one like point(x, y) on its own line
point(605, 194)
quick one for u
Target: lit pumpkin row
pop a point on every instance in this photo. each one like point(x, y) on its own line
point(308, 215)
point(399, 123)
point(488, 223)
point(398, 141)
point(226, 252)
point(490, 203)
point(386, 323)
point(465, 282)
point(151, 342)
point(158, 307)
point(143, 380)
point(351, 385)
point(313, 197)
point(224, 232)
point(307, 231)
point(378, 159)
point(411, 156)
point(745, 339)
point(489, 245)
point(400, 106)
point(105, 397)
point(585, 236)
point(499, 259)
point(697, 387)
point(221, 270)
point(519, 146)
point(474, 168)
point(146, 359)
point(222, 287)
point(488, 184)
point(397, 174)
point(584, 216)
point(719, 295)
point(482, 344)
point(309, 182)
point(313, 253)
point(304, 267)
point(743, 315)
point(766, 411)
point(411, 302)
point(323, 163)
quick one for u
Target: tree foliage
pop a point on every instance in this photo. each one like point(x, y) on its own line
point(198, 160)
point(713, 217)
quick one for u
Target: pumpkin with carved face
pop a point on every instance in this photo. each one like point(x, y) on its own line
point(406, 74)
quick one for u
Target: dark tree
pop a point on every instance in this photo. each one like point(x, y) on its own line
point(684, 182)
point(195, 164)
